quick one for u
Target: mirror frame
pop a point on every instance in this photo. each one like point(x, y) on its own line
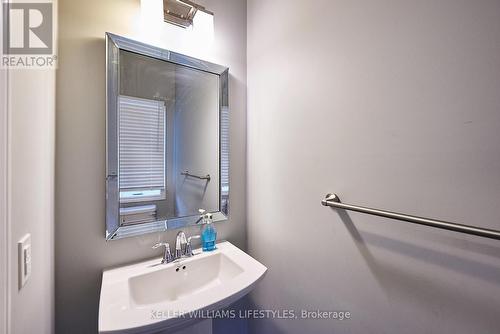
point(114, 44)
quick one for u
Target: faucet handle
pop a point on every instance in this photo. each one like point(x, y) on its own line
point(193, 237)
point(180, 245)
point(159, 244)
point(167, 255)
point(189, 248)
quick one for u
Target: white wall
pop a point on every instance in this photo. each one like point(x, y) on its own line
point(31, 196)
point(81, 251)
point(391, 104)
point(4, 232)
point(27, 146)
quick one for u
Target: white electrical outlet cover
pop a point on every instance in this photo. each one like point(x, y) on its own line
point(24, 257)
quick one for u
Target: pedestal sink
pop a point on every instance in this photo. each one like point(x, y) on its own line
point(149, 297)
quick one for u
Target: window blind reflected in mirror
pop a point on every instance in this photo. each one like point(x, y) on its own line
point(141, 149)
point(224, 156)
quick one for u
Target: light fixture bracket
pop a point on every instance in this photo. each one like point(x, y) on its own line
point(181, 12)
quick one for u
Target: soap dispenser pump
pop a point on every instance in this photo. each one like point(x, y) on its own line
point(208, 232)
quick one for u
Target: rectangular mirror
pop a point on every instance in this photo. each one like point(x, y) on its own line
point(167, 139)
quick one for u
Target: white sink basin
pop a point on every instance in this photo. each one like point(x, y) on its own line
point(147, 297)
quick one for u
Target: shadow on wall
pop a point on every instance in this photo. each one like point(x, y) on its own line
point(266, 325)
point(231, 326)
point(399, 284)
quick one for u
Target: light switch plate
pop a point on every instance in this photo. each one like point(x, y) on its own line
point(24, 257)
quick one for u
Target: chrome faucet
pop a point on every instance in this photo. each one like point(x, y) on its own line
point(167, 256)
point(183, 246)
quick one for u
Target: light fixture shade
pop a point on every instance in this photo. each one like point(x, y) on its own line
point(181, 12)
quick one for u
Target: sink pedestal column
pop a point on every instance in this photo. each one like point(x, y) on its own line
point(201, 327)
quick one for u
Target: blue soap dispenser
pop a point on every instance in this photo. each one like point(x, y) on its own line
point(208, 232)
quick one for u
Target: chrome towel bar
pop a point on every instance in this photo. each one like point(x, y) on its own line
point(333, 200)
point(205, 177)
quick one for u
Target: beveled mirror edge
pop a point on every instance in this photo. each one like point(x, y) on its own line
point(131, 45)
point(113, 230)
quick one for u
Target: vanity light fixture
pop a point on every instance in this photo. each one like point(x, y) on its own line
point(181, 12)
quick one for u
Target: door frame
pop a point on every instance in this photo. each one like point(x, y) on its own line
point(4, 197)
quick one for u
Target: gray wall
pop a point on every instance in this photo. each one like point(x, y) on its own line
point(81, 251)
point(196, 131)
point(391, 104)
